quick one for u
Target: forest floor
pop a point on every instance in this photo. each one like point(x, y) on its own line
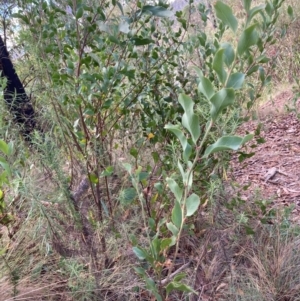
point(273, 172)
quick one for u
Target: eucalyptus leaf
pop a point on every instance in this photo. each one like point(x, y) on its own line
point(177, 191)
point(157, 11)
point(218, 65)
point(127, 167)
point(220, 101)
point(127, 196)
point(138, 41)
point(173, 229)
point(224, 13)
point(190, 120)
point(290, 12)
point(79, 13)
point(206, 87)
point(227, 143)
point(249, 37)
point(192, 204)
point(229, 54)
point(177, 215)
point(140, 253)
point(255, 10)
point(187, 149)
point(5, 165)
point(247, 5)
point(236, 80)
point(178, 286)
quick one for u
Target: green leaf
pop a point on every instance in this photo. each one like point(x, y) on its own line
point(140, 271)
point(157, 11)
point(5, 165)
point(155, 156)
point(221, 100)
point(155, 247)
point(4, 147)
point(95, 57)
point(218, 65)
point(93, 178)
point(227, 143)
point(229, 54)
point(165, 243)
point(127, 196)
point(107, 172)
point(205, 87)
point(133, 152)
point(140, 253)
point(192, 204)
point(290, 12)
point(177, 191)
point(79, 13)
point(177, 215)
point(127, 167)
point(124, 26)
point(178, 286)
point(236, 80)
point(141, 41)
point(248, 38)
point(186, 181)
point(179, 277)
point(252, 70)
point(247, 5)
point(253, 11)
point(187, 149)
point(190, 120)
point(224, 13)
point(173, 228)
point(120, 7)
point(262, 74)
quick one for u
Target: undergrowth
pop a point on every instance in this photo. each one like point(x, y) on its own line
point(120, 193)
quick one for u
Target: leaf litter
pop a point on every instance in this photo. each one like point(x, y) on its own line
point(274, 169)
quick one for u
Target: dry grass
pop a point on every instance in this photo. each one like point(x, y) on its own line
point(271, 268)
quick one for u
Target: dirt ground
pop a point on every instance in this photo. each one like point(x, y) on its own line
point(274, 171)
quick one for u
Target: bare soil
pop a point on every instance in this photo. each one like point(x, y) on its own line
point(274, 170)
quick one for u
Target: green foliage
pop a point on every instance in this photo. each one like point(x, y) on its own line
point(118, 84)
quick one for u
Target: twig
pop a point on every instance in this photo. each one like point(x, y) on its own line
point(169, 278)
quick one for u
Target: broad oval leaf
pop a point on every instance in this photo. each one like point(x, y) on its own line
point(177, 215)
point(218, 65)
point(290, 12)
point(224, 13)
point(79, 13)
point(127, 196)
point(229, 54)
point(179, 286)
point(173, 228)
point(187, 149)
point(190, 120)
point(206, 87)
point(248, 38)
point(220, 101)
point(140, 253)
point(227, 143)
point(236, 80)
point(177, 191)
point(157, 11)
point(141, 41)
point(192, 204)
